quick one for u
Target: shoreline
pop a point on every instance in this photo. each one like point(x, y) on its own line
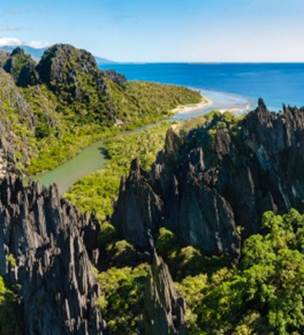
point(183, 109)
point(207, 103)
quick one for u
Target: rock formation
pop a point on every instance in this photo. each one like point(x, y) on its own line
point(117, 78)
point(218, 176)
point(22, 68)
point(140, 207)
point(164, 309)
point(45, 244)
point(68, 72)
point(74, 77)
point(3, 57)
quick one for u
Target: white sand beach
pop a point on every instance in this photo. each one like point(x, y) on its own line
point(205, 102)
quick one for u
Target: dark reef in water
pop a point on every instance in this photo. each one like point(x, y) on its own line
point(217, 177)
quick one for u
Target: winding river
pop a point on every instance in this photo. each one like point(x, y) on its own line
point(92, 158)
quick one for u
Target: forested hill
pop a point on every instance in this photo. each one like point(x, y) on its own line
point(52, 109)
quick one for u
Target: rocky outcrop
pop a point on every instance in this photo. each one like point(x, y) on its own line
point(3, 57)
point(116, 77)
point(164, 309)
point(22, 68)
point(73, 76)
point(220, 175)
point(69, 72)
point(141, 207)
point(45, 251)
point(3, 164)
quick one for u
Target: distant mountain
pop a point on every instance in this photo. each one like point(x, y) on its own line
point(37, 53)
point(103, 61)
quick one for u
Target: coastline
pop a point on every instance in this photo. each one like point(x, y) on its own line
point(183, 109)
point(230, 102)
point(212, 102)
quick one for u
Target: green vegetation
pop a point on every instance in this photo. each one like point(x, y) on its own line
point(185, 260)
point(116, 252)
point(8, 320)
point(52, 111)
point(264, 294)
point(121, 301)
point(63, 131)
point(99, 190)
point(149, 102)
point(122, 280)
point(11, 260)
point(50, 122)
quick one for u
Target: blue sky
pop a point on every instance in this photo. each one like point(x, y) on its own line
point(162, 30)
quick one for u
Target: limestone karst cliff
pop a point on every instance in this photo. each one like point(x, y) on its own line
point(47, 252)
point(221, 175)
point(164, 311)
point(22, 68)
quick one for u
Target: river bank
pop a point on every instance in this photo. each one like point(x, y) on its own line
point(93, 157)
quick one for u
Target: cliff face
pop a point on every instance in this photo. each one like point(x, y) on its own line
point(3, 57)
point(217, 177)
point(164, 309)
point(45, 252)
point(69, 72)
point(22, 68)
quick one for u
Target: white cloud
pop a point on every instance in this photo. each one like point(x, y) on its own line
point(9, 41)
point(38, 44)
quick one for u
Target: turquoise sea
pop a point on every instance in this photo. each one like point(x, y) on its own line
point(277, 83)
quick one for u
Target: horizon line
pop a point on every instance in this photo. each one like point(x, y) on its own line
point(200, 62)
point(207, 62)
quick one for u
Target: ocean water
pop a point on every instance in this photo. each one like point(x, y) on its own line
point(276, 83)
